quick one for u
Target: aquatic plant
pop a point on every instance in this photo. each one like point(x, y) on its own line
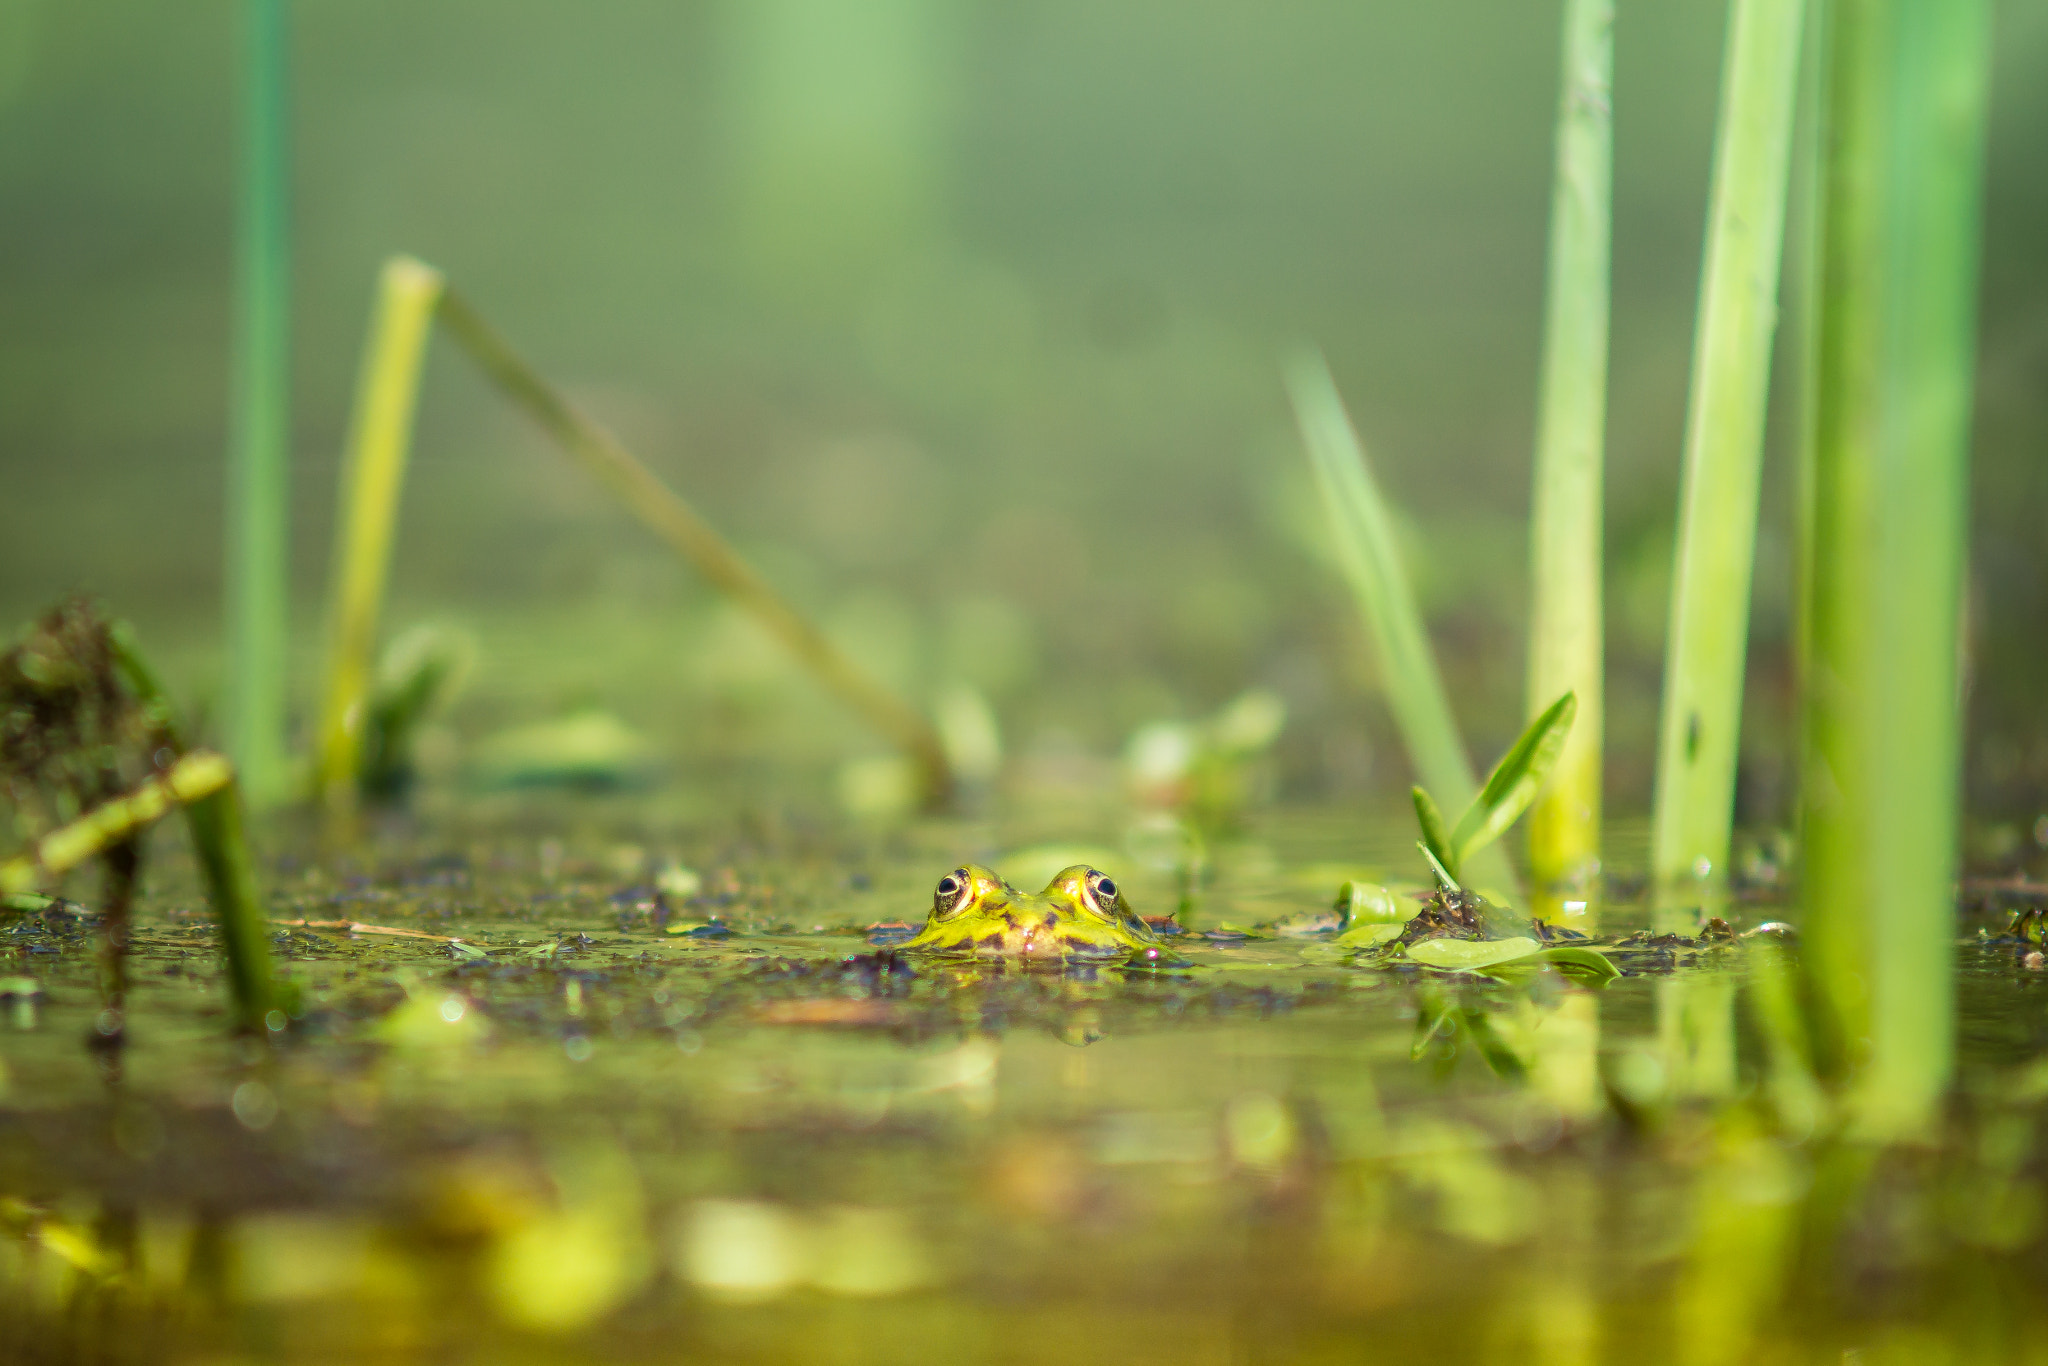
point(90, 757)
point(372, 479)
point(259, 451)
point(1513, 785)
point(1700, 725)
point(1362, 531)
point(666, 513)
point(1884, 519)
point(411, 295)
point(1565, 633)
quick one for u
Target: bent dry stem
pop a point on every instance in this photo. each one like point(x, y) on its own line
point(203, 783)
point(1699, 731)
point(665, 512)
point(372, 479)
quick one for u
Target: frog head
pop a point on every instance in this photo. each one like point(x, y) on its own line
point(1099, 905)
point(975, 911)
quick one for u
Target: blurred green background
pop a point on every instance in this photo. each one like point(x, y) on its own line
point(962, 317)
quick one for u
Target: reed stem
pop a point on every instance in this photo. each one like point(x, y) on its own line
point(372, 478)
point(1362, 527)
point(204, 784)
point(259, 453)
point(665, 512)
point(1906, 86)
point(1565, 541)
point(1700, 727)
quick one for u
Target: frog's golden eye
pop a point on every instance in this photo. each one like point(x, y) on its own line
point(1099, 892)
point(954, 890)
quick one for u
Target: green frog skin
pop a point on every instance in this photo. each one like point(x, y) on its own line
point(1081, 914)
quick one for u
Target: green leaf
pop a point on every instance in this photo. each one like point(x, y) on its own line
point(1443, 874)
point(1370, 935)
point(1580, 964)
point(1434, 837)
point(1368, 903)
point(1470, 955)
point(1515, 780)
point(1588, 967)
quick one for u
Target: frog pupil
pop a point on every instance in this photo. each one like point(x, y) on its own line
point(1106, 890)
point(947, 886)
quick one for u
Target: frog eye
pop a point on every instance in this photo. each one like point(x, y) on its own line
point(1101, 894)
point(953, 890)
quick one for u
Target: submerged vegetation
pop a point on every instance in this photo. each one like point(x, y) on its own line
point(554, 1063)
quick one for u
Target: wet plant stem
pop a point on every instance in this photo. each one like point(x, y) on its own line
point(259, 453)
point(372, 479)
point(1362, 529)
point(665, 512)
point(1893, 349)
point(204, 784)
point(1700, 726)
point(1565, 532)
point(190, 778)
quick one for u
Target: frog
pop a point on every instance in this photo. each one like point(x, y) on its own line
point(1082, 913)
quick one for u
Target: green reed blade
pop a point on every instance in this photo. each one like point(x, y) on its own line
point(218, 838)
point(372, 479)
point(1894, 354)
point(1565, 519)
point(1362, 526)
point(259, 452)
point(1700, 726)
point(665, 512)
point(205, 785)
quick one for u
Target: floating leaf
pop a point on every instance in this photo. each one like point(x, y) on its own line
point(1371, 934)
point(1470, 955)
point(1514, 782)
point(1581, 964)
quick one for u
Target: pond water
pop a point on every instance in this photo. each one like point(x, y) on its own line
point(614, 1125)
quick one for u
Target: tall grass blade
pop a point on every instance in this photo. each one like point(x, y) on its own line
point(1363, 528)
point(372, 477)
point(664, 512)
point(1565, 630)
point(1700, 727)
point(259, 452)
point(1905, 106)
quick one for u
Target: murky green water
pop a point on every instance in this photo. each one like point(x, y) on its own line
point(577, 1135)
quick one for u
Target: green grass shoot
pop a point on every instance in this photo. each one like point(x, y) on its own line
point(1362, 527)
point(1893, 351)
point(1565, 632)
point(372, 480)
point(205, 785)
point(1510, 788)
point(666, 513)
point(259, 453)
point(1700, 726)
